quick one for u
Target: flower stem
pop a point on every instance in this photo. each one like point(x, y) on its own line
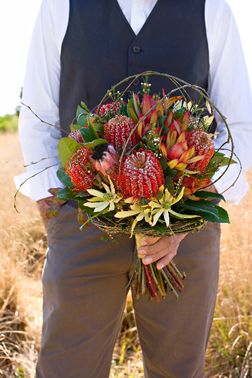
point(143, 283)
point(176, 278)
point(181, 275)
point(169, 283)
point(139, 278)
point(161, 280)
point(151, 286)
point(156, 280)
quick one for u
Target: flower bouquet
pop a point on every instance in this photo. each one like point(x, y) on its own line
point(140, 164)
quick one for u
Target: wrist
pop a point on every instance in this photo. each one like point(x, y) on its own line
point(49, 206)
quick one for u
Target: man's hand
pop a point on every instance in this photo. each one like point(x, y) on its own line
point(164, 249)
point(48, 207)
point(160, 249)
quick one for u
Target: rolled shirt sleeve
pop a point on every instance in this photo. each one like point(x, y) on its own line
point(39, 141)
point(230, 91)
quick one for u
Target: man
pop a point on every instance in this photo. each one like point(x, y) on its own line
point(78, 50)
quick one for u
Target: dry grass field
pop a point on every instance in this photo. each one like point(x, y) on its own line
point(22, 248)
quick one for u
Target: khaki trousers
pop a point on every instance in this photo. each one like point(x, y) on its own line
point(84, 292)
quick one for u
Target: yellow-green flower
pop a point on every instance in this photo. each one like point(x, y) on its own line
point(141, 212)
point(101, 200)
point(162, 207)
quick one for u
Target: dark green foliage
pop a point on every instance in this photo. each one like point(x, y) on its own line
point(207, 210)
point(64, 178)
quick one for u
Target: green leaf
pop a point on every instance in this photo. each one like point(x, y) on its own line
point(143, 201)
point(169, 178)
point(66, 194)
point(163, 163)
point(218, 160)
point(223, 215)
point(207, 210)
point(205, 194)
point(92, 127)
point(210, 216)
point(225, 161)
point(95, 143)
point(88, 134)
point(98, 127)
point(198, 205)
point(66, 148)
point(84, 106)
point(81, 115)
point(161, 228)
point(74, 127)
point(64, 178)
point(136, 104)
point(179, 113)
point(124, 110)
point(131, 111)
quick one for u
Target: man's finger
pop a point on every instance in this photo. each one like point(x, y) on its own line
point(165, 260)
point(149, 240)
point(155, 257)
point(161, 244)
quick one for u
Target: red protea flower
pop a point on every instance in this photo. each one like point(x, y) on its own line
point(76, 135)
point(204, 146)
point(141, 175)
point(105, 159)
point(192, 184)
point(117, 131)
point(177, 151)
point(80, 171)
point(111, 108)
point(147, 103)
point(146, 122)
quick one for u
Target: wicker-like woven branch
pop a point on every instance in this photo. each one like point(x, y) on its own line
point(113, 227)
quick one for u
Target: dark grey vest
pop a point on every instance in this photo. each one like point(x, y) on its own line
point(100, 49)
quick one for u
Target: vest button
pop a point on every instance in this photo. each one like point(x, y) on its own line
point(136, 49)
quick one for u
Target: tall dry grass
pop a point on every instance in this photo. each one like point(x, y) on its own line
point(22, 248)
point(230, 347)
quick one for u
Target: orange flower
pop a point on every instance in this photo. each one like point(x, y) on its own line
point(151, 119)
point(204, 147)
point(174, 145)
point(186, 150)
point(192, 184)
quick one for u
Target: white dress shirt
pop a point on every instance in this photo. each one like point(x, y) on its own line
point(228, 88)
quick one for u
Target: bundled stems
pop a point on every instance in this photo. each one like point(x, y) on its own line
point(155, 282)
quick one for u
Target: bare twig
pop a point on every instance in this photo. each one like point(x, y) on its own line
point(20, 186)
point(43, 121)
point(39, 161)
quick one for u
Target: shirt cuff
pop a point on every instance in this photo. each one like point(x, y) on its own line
point(236, 191)
point(35, 184)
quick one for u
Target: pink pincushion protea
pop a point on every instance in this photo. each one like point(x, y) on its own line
point(80, 170)
point(105, 160)
point(117, 131)
point(141, 175)
point(76, 135)
point(204, 146)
